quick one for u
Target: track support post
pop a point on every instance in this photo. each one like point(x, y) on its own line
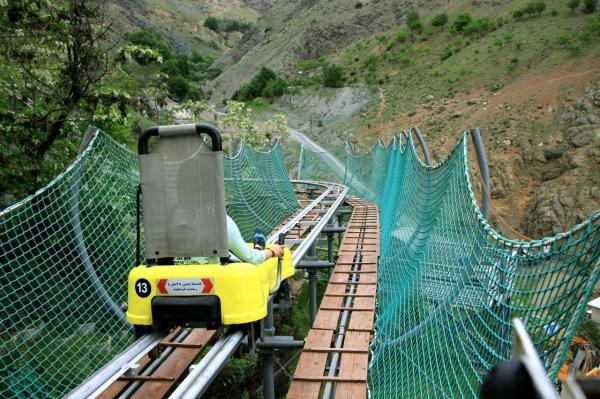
point(268, 358)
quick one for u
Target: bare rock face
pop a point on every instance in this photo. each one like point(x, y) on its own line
point(260, 5)
point(559, 204)
point(571, 190)
point(582, 119)
point(319, 40)
point(567, 199)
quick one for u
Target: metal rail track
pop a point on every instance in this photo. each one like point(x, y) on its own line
point(134, 373)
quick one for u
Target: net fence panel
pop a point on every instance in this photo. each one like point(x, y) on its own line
point(323, 165)
point(449, 285)
point(65, 253)
point(365, 173)
point(258, 190)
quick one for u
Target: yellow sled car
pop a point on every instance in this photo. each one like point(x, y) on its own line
point(183, 199)
point(215, 294)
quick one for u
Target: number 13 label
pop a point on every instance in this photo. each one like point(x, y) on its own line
point(143, 288)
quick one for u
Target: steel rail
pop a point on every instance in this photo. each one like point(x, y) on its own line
point(156, 363)
point(289, 225)
point(99, 381)
point(202, 375)
point(199, 379)
point(316, 230)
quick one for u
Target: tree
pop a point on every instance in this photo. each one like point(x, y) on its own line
point(538, 7)
point(256, 87)
point(54, 54)
point(238, 115)
point(439, 20)
point(333, 76)
point(231, 25)
point(589, 6)
point(414, 23)
point(274, 88)
point(150, 39)
point(573, 4)
point(178, 86)
point(462, 21)
point(479, 26)
point(212, 23)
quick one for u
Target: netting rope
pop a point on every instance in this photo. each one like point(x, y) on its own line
point(449, 284)
point(67, 249)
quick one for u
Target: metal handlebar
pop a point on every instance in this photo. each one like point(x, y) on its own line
point(180, 130)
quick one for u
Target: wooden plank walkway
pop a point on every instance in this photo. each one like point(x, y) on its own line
point(162, 381)
point(350, 296)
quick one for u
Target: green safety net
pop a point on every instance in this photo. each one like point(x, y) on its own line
point(65, 253)
point(322, 166)
point(449, 284)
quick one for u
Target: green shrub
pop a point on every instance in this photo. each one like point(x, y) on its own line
point(564, 40)
point(358, 4)
point(231, 25)
point(589, 329)
point(446, 54)
point(479, 26)
point(518, 13)
point(381, 38)
point(371, 62)
point(593, 23)
point(257, 87)
point(152, 40)
point(414, 23)
point(462, 21)
point(307, 65)
point(585, 37)
point(531, 8)
point(401, 35)
point(574, 47)
point(333, 76)
point(274, 88)
point(554, 12)
point(212, 23)
point(589, 6)
point(573, 4)
point(439, 20)
point(553, 153)
point(178, 86)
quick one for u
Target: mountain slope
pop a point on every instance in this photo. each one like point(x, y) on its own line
point(516, 80)
point(295, 30)
point(181, 21)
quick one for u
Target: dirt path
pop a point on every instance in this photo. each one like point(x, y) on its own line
point(381, 102)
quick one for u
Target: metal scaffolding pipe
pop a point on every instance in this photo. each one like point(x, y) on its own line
point(483, 168)
point(417, 133)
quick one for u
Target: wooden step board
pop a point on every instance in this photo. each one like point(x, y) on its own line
point(353, 278)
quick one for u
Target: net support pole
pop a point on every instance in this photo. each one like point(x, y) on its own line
point(78, 234)
point(483, 168)
point(300, 161)
point(417, 133)
point(268, 359)
point(330, 251)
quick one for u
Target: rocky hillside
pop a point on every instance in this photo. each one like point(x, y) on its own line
point(295, 30)
point(181, 21)
point(527, 82)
